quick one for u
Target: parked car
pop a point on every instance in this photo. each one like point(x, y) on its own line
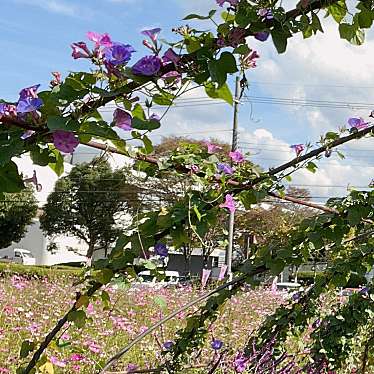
point(18, 256)
point(145, 278)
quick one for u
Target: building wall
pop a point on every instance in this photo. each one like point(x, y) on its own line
point(37, 243)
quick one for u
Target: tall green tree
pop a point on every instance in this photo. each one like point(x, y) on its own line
point(90, 204)
point(16, 213)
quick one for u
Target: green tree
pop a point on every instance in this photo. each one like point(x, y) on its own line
point(90, 204)
point(16, 213)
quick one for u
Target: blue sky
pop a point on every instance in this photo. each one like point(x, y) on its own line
point(35, 39)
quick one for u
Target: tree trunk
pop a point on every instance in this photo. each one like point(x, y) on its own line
point(91, 249)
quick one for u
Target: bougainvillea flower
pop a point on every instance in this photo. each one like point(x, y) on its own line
point(216, 344)
point(122, 119)
point(225, 168)
point(168, 345)
point(148, 65)
point(171, 56)
point(261, 36)
point(80, 50)
point(358, 123)
point(212, 148)
point(161, 250)
point(152, 33)
point(237, 156)
point(240, 362)
point(100, 40)
point(298, 148)
point(229, 203)
point(65, 141)
point(118, 53)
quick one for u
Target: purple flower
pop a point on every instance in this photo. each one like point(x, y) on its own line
point(172, 76)
point(226, 169)
point(261, 36)
point(161, 250)
point(148, 65)
point(237, 156)
point(221, 42)
point(316, 323)
point(65, 141)
point(118, 53)
point(296, 296)
point(240, 362)
point(29, 105)
point(216, 344)
point(28, 100)
point(122, 119)
point(236, 36)
point(168, 345)
point(212, 148)
point(358, 123)
point(27, 134)
point(155, 117)
point(229, 203)
point(170, 56)
point(80, 50)
point(267, 13)
point(103, 40)
point(131, 368)
point(364, 291)
point(7, 110)
point(231, 2)
point(152, 33)
point(298, 148)
point(195, 168)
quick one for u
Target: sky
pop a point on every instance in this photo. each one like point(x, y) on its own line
point(36, 34)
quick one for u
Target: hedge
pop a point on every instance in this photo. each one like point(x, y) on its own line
point(37, 272)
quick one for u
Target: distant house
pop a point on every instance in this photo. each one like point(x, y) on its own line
point(37, 243)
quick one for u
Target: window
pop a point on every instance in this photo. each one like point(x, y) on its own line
point(215, 262)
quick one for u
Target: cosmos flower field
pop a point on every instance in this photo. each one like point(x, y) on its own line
point(30, 307)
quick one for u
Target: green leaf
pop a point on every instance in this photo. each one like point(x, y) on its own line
point(316, 23)
point(148, 146)
point(150, 265)
point(103, 276)
point(223, 92)
point(338, 10)
point(198, 16)
point(42, 156)
point(10, 180)
point(351, 33)
point(219, 69)
point(98, 129)
point(58, 165)
point(160, 301)
point(10, 147)
point(311, 166)
point(145, 124)
point(26, 347)
point(78, 317)
point(62, 123)
point(138, 112)
point(196, 210)
point(279, 39)
point(162, 99)
point(365, 19)
point(228, 17)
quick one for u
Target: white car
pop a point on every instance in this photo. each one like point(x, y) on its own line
point(145, 278)
point(18, 256)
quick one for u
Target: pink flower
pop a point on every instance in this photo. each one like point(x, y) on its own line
point(236, 156)
point(75, 357)
point(65, 141)
point(298, 148)
point(122, 119)
point(76, 368)
point(195, 168)
point(229, 203)
point(103, 40)
point(4, 370)
point(212, 148)
point(80, 50)
point(93, 347)
point(55, 361)
point(152, 33)
point(131, 368)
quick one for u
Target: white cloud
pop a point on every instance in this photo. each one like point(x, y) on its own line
point(55, 6)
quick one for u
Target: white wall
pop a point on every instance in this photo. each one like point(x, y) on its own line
point(36, 242)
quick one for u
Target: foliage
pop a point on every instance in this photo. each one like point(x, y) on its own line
point(16, 213)
point(68, 114)
point(89, 203)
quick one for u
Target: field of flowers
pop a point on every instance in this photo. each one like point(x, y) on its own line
point(30, 307)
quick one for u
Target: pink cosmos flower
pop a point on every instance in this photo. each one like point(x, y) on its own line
point(236, 156)
point(298, 148)
point(229, 203)
point(75, 357)
point(212, 148)
point(122, 119)
point(65, 141)
point(55, 361)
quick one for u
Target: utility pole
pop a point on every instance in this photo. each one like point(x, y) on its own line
point(234, 147)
